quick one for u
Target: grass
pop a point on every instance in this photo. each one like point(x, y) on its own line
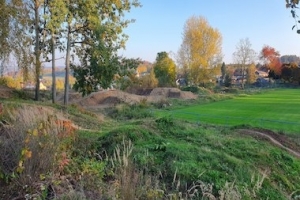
point(213, 155)
point(276, 110)
point(170, 158)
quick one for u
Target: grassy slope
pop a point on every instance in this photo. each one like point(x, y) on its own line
point(276, 110)
point(210, 154)
point(166, 146)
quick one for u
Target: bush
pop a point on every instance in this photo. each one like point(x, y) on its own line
point(11, 82)
point(34, 148)
point(193, 89)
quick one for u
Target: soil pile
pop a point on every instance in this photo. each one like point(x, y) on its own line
point(173, 93)
point(109, 97)
point(113, 97)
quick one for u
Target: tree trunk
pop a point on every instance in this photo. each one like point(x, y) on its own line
point(53, 69)
point(243, 74)
point(37, 52)
point(66, 94)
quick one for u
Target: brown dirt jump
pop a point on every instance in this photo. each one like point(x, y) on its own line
point(113, 97)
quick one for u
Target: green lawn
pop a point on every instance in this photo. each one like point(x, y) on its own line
point(273, 109)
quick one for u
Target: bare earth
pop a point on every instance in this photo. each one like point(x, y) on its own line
point(113, 97)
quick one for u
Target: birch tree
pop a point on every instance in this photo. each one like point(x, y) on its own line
point(244, 56)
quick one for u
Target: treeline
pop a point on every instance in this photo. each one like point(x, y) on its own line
point(289, 72)
point(88, 33)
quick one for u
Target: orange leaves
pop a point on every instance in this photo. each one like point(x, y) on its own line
point(66, 127)
point(64, 161)
point(26, 153)
point(272, 59)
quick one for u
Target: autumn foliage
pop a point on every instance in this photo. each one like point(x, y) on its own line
point(271, 57)
point(36, 144)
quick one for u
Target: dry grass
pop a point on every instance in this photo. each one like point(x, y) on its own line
point(34, 144)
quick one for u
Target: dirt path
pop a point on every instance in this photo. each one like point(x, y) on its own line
point(279, 140)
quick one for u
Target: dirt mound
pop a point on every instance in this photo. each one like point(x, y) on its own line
point(110, 97)
point(279, 140)
point(113, 97)
point(5, 92)
point(173, 93)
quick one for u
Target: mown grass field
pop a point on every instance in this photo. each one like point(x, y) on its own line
point(277, 110)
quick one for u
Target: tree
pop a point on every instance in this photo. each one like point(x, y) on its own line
point(200, 51)
point(165, 69)
point(244, 56)
point(227, 79)
point(4, 34)
point(271, 58)
point(251, 76)
point(55, 18)
point(93, 28)
point(100, 65)
point(15, 40)
point(292, 4)
point(184, 62)
point(149, 81)
point(223, 71)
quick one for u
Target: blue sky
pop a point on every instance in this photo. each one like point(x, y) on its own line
point(159, 26)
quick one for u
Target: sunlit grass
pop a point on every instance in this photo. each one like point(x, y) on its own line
point(276, 110)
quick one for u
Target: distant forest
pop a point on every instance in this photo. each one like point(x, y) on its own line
point(290, 59)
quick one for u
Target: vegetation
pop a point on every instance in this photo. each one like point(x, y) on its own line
point(78, 28)
point(165, 70)
point(136, 154)
point(244, 56)
point(274, 110)
point(200, 51)
point(214, 147)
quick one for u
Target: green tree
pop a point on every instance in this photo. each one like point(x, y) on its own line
point(100, 66)
point(244, 56)
point(94, 32)
point(15, 40)
point(201, 50)
point(4, 34)
point(223, 71)
point(54, 19)
point(165, 70)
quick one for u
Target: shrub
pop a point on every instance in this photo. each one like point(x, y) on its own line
point(34, 148)
point(193, 89)
point(11, 82)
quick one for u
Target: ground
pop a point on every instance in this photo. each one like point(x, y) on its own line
point(112, 97)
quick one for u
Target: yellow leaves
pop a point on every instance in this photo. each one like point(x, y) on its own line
point(26, 153)
point(20, 167)
point(35, 132)
point(202, 44)
point(141, 68)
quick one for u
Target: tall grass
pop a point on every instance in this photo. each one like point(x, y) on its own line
point(34, 148)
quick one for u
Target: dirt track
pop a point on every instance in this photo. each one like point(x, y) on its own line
point(281, 141)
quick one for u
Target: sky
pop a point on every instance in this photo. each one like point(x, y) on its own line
point(159, 26)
